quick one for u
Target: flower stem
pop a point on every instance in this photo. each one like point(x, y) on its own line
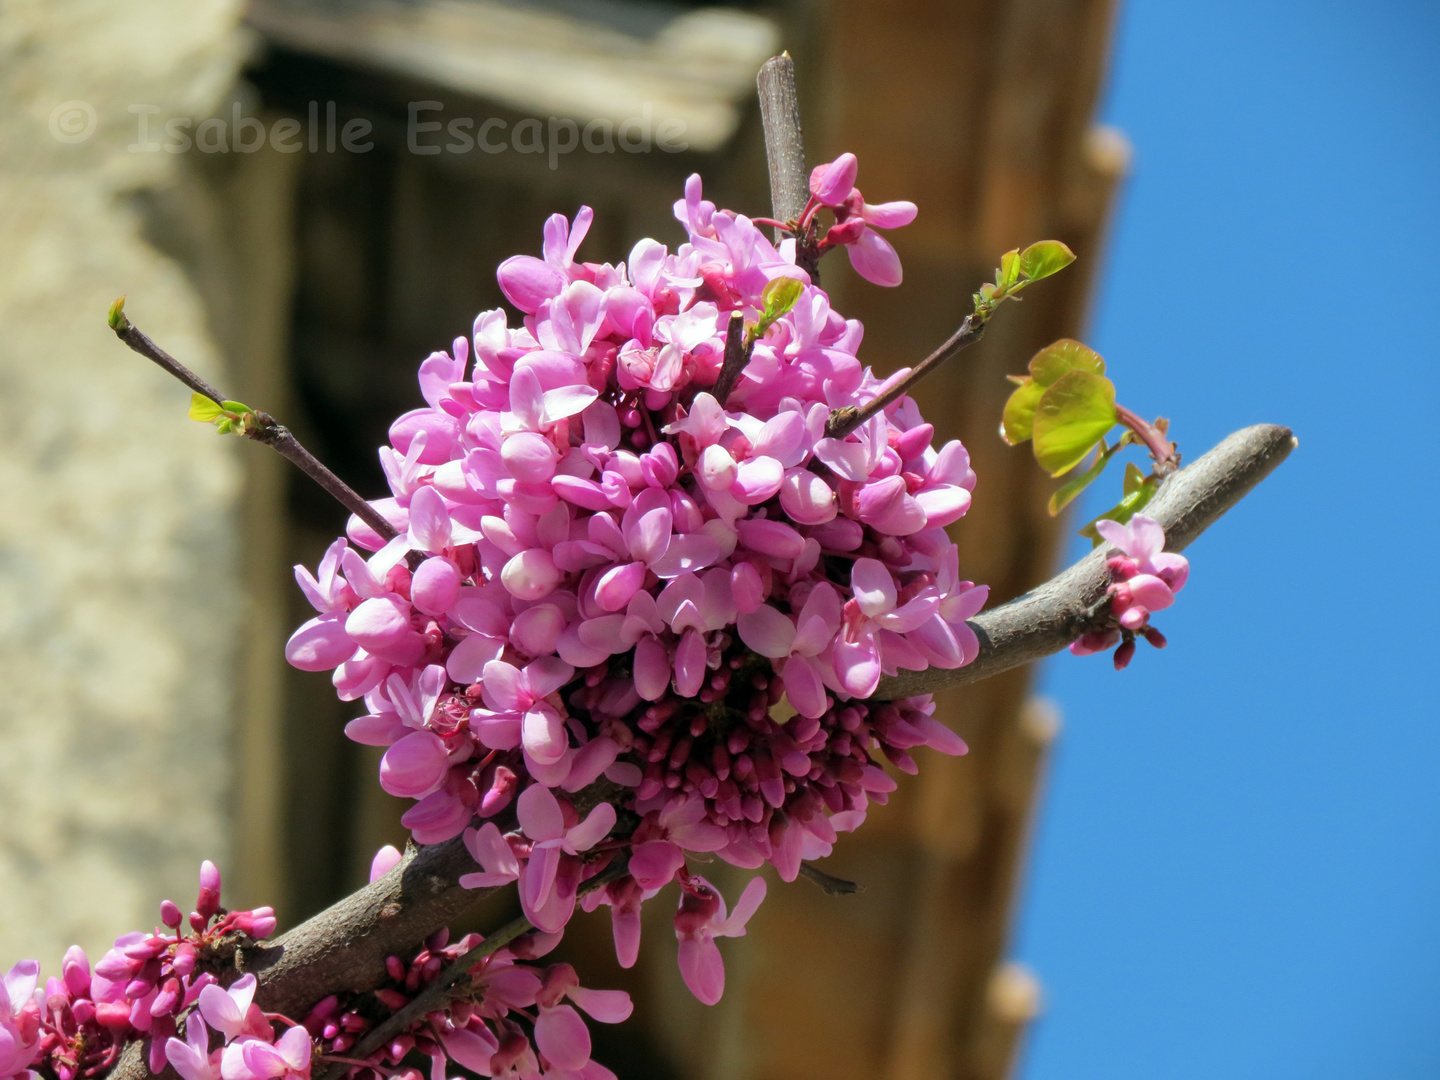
point(264, 428)
point(1161, 448)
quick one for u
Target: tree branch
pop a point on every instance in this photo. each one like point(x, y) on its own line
point(843, 421)
point(264, 429)
point(1047, 619)
point(785, 154)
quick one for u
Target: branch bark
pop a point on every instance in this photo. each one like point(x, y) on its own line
point(1047, 619)
point(785, 154)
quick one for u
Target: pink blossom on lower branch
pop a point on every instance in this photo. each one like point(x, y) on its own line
point(1144, 579)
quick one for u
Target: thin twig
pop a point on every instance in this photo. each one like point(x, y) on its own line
point(785, 153)
point(843, 421)
point(832, 885)
point(263, 427)
point(1048, 618)
point(737, 355)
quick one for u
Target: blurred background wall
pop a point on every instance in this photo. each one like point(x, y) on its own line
point(309, 267)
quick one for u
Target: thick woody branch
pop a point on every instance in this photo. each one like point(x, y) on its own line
point(345, 946)
point(1047, 619)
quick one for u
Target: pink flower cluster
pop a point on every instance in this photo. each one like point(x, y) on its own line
point(76, 1025)
point(603, 571)
point(1145, 578)
point(516, 1021)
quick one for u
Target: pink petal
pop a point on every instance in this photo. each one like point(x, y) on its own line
point(690, 664)
point(529, 456)
point(530, 575)
point(320, 644)
point(618, 584)
point(757, 479)
point(943, 505)
point(803, 687)
point(773, 538)
point(470, 1048)
point(592, 830)
point(467, 662)
point(745, 907)
point(386, 859)
point(488, 848)
point(873, 586)
point(652, 669)
point(539, 813)
point(767, 631)
point(382, 626)
point(831, 183)
point(527, 282)
point(546, 675)
point(607, 1006)
point(543, 735)
point(429, 521)
point(415, 765)
point(874, 259)
point(435, 586)
point(702, 969)
point(807, 498)
point(562, 1037)
point(889, 215)
point(653, 863)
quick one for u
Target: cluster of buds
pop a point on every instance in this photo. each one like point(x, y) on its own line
point(76, 1024)
point(507, 1018)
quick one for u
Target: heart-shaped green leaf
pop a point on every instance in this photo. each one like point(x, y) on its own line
point(1067, 354)
point(1043, 258)
point(1073, 415)
point(1018, 421)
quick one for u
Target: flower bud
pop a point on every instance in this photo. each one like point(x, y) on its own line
point(170, 915)
point(207, 903)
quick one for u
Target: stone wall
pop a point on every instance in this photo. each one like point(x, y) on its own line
point(122, 610)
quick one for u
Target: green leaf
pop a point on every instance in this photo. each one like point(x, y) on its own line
point(779, 296)
point(116, 317)
point(1009, 269)
point(1067, 354)
point(1135, 500)
point(1073, 415)
point(237, 407)
point(1076, 485)
point(1134, 479)
point(203, 409)
point(1043, 258)
point(1018, 421)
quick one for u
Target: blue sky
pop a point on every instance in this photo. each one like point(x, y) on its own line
point(1237, 867)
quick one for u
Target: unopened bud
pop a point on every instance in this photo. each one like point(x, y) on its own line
point(207, 902)
point(1155, 637)
point(170, 915)
point(1124, 654)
